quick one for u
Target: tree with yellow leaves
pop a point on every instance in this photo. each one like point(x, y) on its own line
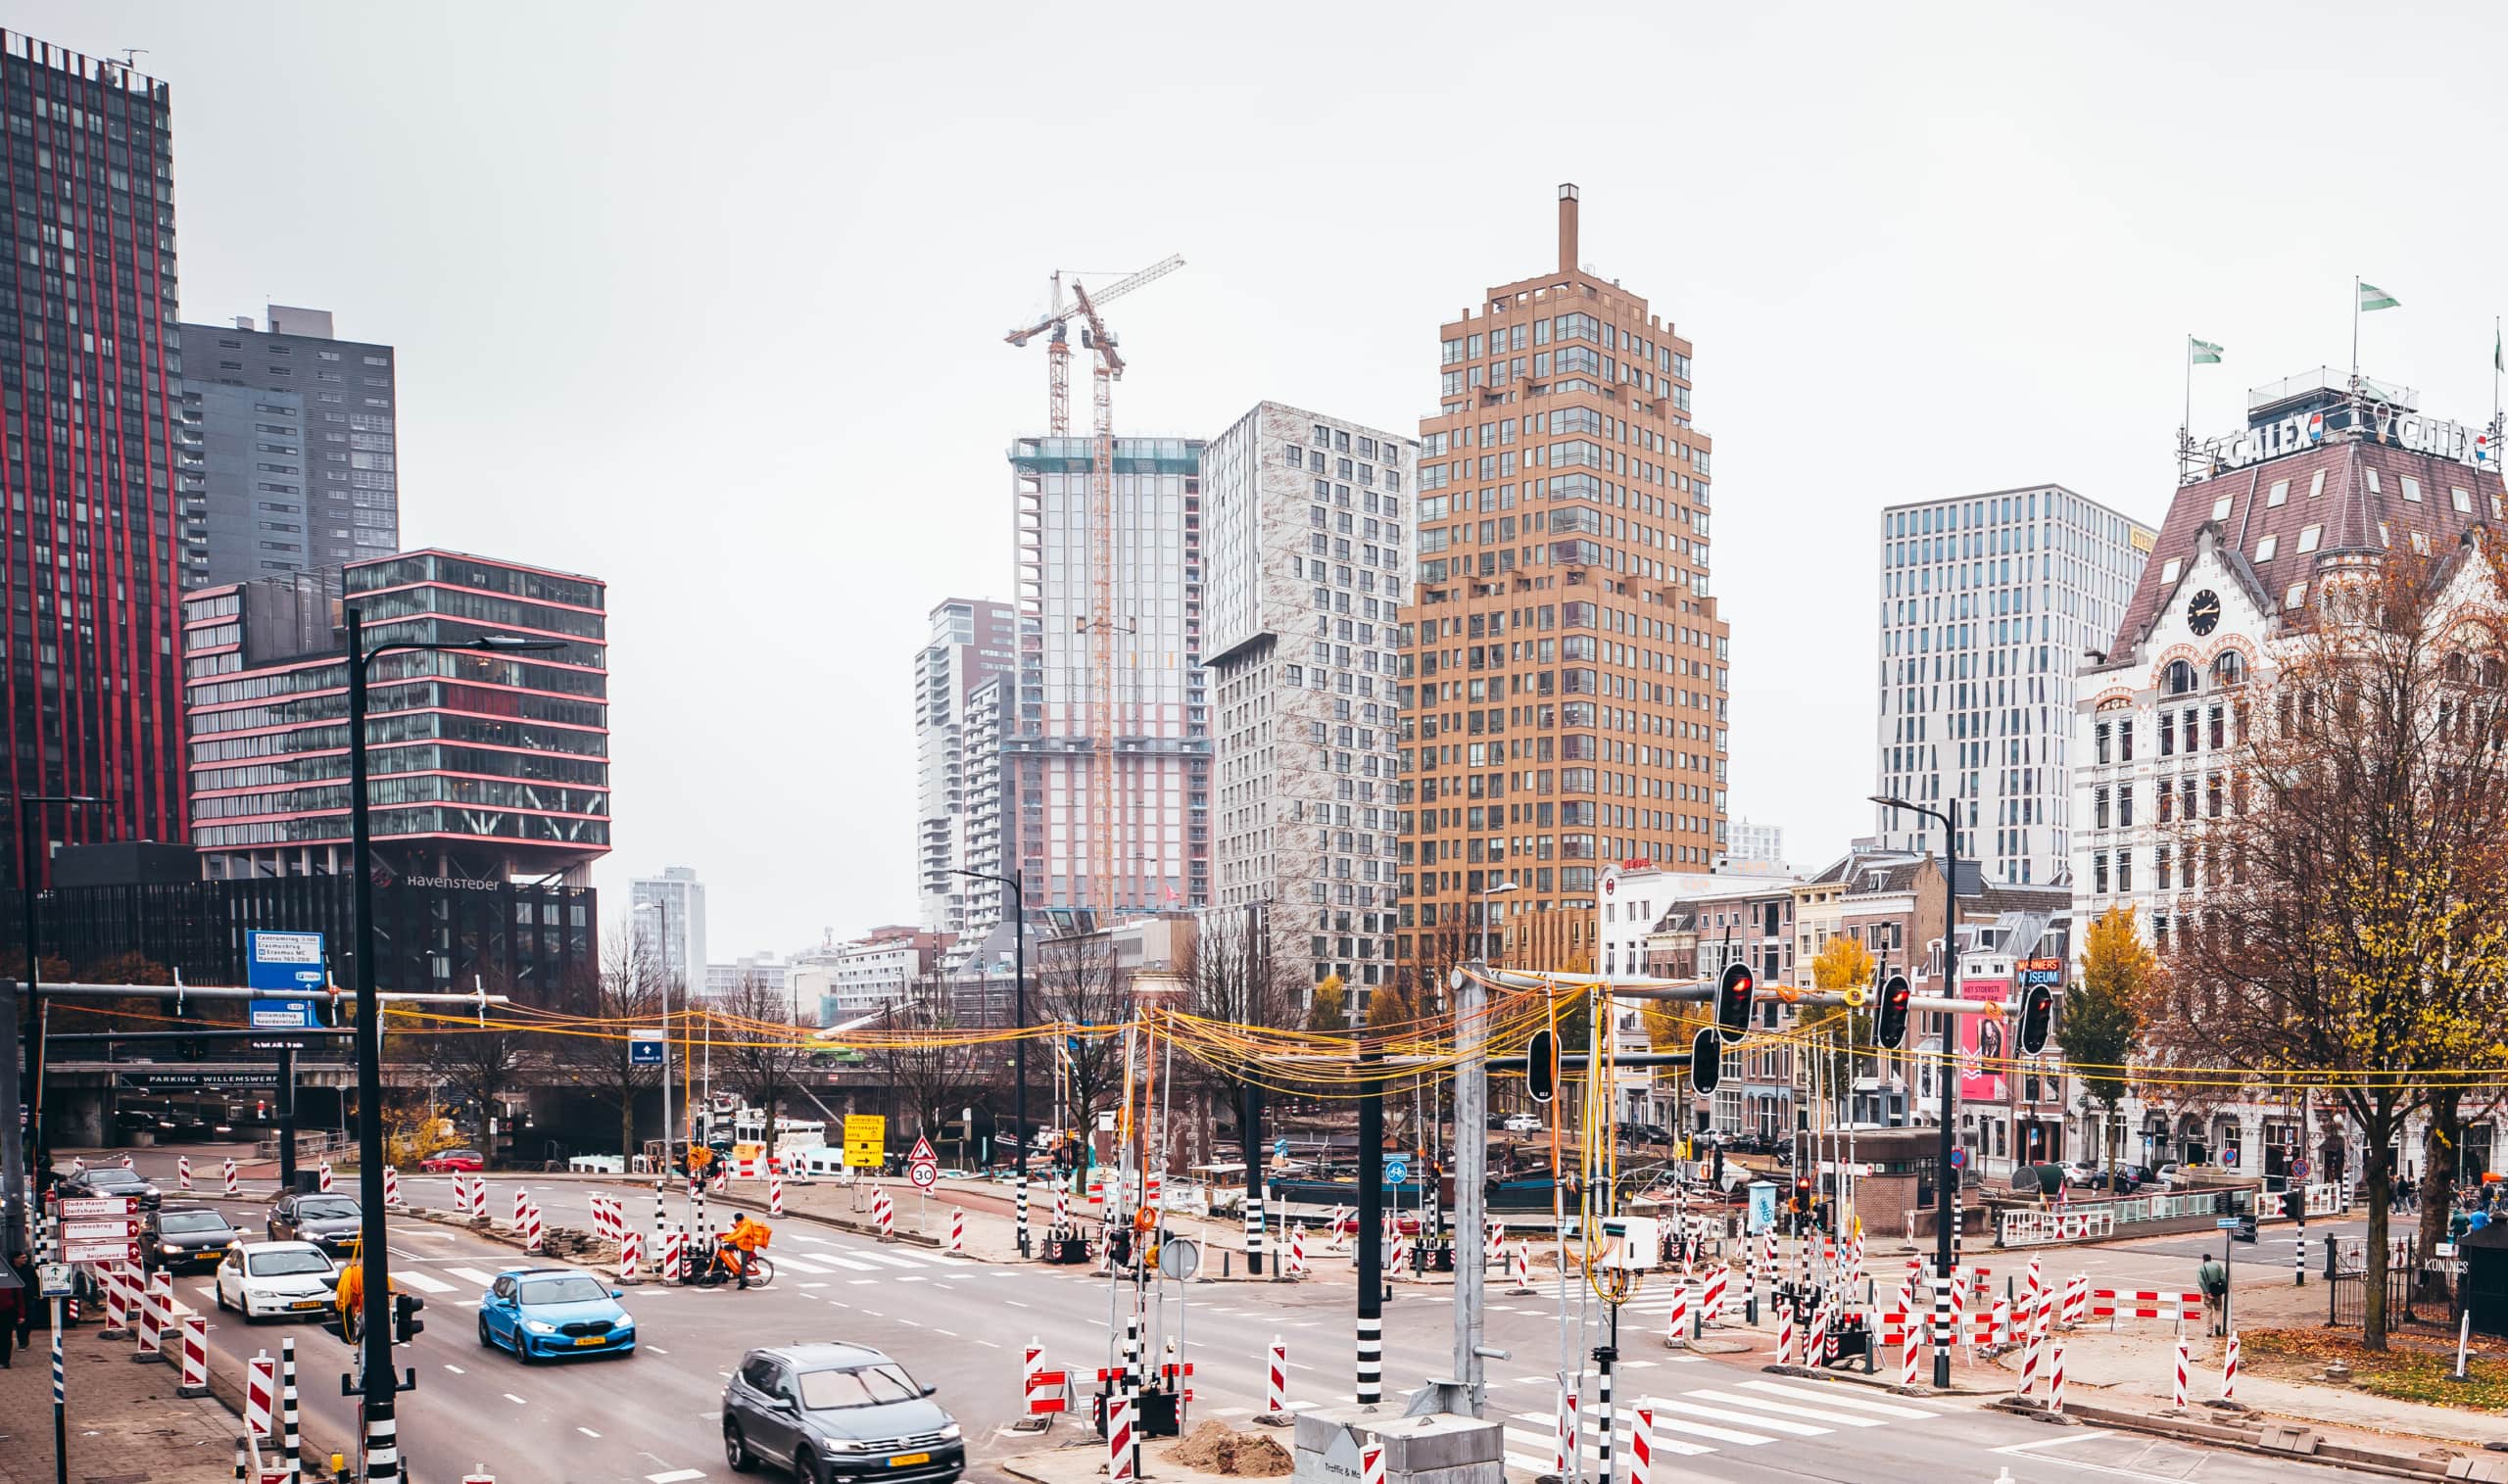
point(1844, 963)
point(1329, 1010)
point(2102, 1013)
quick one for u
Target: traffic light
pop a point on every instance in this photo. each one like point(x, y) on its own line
point(1890, 1026)
point(406, 1323)
point(1705, 1062)
point(1734, 1001)
point(1541, 1065)
point(2037, 1014)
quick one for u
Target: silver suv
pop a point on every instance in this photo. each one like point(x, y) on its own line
point(833, 1412)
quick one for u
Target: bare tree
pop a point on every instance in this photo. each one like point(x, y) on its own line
point(627, 991)
point(930, 1074)
point(766, 1048)
point(1232, 978)
point(1077, 986)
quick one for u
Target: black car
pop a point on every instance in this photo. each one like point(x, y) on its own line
point(837, 1412)
point(328, 1221)
point(183, 1238)
point(111, 1180)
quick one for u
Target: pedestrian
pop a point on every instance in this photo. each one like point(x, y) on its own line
point(2214, 1280)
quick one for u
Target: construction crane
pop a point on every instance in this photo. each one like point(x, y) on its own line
point(1103, 627)
point(1057, 319)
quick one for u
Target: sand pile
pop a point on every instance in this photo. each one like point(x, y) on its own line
point(1214, 1447)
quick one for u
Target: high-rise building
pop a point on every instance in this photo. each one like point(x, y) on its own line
point(1146, 689)
point(670, 914)
point(483, 768)
point(971, 643)
point(1988, 605)
point(1564, 665)
point(982, 906)
point(290, 449)
point(1309, 559)
point(87, 354)
point(1749, 845)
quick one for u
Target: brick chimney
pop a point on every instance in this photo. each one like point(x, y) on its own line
point(1568, 227)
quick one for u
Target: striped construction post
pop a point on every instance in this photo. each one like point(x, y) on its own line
point(1911, 1345)
point(2229, 1369)
point(698, 1227)
point(1119, 1437)
point(531, 1227)
point(2177, 1396)
point(1999, 1324)
point(391, 1186)
point(1031, 1364)
point(194, 1382)
point(1524, 1271)
point(1784, 1331)
point(117, 1286)
point(325, 1177)
point(291, 1436)
point(1570, 1442)
point(775, 1193)
point(1679, 1327)
point(1370, 1388)
point(1275, 1383)
point(2029, 1364)
point(1297, 1250)
point(261, 1395)
point(156, 1311)
point(1711, 1307)
point(1372, 1463)
point(230, 1178)
point(671, 1253)
point(1494, 1249)
point(958, 1230)
point(2036, 1281)
point(522, 1209)
point(184, 1171)
point(1750, 1294)
point(2076, 1297)
point(478, 1196)
point(1641, 1446)
point(631, 1258)
point(1335, 1221)
point(2056, 1382)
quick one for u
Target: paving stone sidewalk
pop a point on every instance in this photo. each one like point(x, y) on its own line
point(125, 1422)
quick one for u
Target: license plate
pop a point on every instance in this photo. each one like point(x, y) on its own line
point(591, 1339)
point(306, 1303)
point(907, 1460)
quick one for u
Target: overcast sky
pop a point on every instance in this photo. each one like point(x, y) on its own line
point(707, 302)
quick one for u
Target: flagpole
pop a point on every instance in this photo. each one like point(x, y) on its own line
point(2187, 423)
point(2355, 327)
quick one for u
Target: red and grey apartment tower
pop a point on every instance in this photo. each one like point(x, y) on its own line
point(87, 353)
point(1563, 662)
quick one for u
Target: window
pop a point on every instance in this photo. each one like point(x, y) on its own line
point(2168, 570)
point(2316, 484)
point(2168, 731)
point(2372, 472)
point(2411, 487)
point(2308, 539)
point(2461, 499)
point(2265, 548)
point(2221, 508)
point(2421, 541)
point(2179, 681)
point(2297, 594)
point(2279, 495)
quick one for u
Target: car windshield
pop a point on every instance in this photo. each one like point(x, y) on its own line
point(285, 1261)
point(573, 1288)
point(328, 1207)
point(458, 1154)
point(192, 1221)
point(102, 1178)
point(862, 1386)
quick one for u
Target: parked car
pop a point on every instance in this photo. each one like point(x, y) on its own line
point(184, 1238)
point(539, 1313)
point(838, 1411)
point(111, 1180)
point(449, 1161)
point(276, 1280)
point(1523, 1123)
point(328, 1221)
point(2125, 1179)
point(2080, 1174)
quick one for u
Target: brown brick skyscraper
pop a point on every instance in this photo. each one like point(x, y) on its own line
point(1562, 668)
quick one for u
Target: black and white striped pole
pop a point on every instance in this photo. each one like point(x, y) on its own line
point(1371, 1240)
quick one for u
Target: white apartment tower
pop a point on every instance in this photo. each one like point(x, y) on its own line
point(970, 642)
point(1988, 603)
point(670, 919)
point(1309, 556)
point(1144, 607)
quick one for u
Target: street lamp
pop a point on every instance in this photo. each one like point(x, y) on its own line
point(381, 1386)
point(1494, 888)
point(1018, 889)
point(1945, 1186)
point(39, 1177)
point(661, 914)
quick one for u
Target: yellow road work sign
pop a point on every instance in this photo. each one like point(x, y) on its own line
point(866, 1140)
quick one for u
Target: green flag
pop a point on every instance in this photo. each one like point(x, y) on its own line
point(2495, 363)
point(2202, 352)
point(2373, 297)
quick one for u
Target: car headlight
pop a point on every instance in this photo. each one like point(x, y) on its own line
point(949, 1434)
point(849, 1445)
point(538, 1326)
point(169, 1249)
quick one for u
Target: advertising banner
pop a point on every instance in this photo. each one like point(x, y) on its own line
point(1985, 1040)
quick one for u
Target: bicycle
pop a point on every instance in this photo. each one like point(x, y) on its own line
point(761, 1271)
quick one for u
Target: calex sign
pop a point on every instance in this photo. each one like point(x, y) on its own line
point(2429, 434)
point(2290, 435)
point(2410, 431)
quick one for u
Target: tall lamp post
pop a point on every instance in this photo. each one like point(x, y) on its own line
point(661, 914)
point(1946, 1187)
point(381, 1386)
point(40, 1148)
point(1494, 888)
point(1017, 887)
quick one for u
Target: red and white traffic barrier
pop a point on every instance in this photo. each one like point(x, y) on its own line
point(478, 1196)
point(261, 1396)
point(1679, 1327)
point(2229, 1369)
point(325, 1177)
point(2029, 1364)
point(1524, 1270)
point(1911, 1346)
point(2112, 1304)
point(1784, 1334)
point(184, 1171)
point(1570, 1442)
point(391, 1186)
point(195, 1381)
point(1495, 1249)
point(155, 1312)
point(118, 1297)
point(1119, 1437)
point(2056, 1382)
point(231, 1178)
point(1998, 1330)
point(884, 1212)
point(1334, 1222)
point(1711, 1307)
point(2178, 1395)
point(521, 1208)
point(674, 1250)
point(1062, 1206)
point(1297, 1250)
point(532, 1231)
point(1641, 1447)
point(127, 1163)
point(631, 1256)
point(1276, 1385)
point(957, 1230)
point(774, 1195)
point(1372, 1463)
point(2076, 1297)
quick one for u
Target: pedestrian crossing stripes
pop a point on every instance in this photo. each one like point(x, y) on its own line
point(1748, 1414)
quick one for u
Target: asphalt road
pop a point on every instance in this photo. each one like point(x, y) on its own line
point(652, 1418)
point(2273, 1244)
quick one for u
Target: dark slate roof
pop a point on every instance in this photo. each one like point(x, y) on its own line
point(2351, 513)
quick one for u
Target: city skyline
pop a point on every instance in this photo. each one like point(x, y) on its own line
point(2060, 362)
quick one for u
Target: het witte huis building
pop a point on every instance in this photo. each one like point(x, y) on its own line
point(2331, 473)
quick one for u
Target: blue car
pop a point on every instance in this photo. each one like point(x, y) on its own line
point(542, 1311)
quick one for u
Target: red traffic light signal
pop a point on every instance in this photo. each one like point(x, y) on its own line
point(1734, 1001)
point(1890, 1023)
point(2036, 1016)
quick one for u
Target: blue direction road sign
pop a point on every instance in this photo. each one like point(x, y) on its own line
point(1280, 1149)
point(644, 1048)
point(2229, 1222)
point(284, 1015)
point(283, 960)
point(1396, 1172)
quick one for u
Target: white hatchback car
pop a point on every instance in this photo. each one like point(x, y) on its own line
point(276, 1279)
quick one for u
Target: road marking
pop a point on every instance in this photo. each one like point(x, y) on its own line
point(1781, 1410)
point(951, 1333)
point(472, 1275)
point(1827, 1396)
point(675, 1476)
point(2104, 1468)
point(423, 1283)
point(815, 1285)
point(206, 1291)
point(456, 1369)
point(515, 1400)
point(988, 1344)
point(909, 1277)
point(844, 1262)
point(858, 1281)
point(657, 1349)
point(1013, 1303)
point(587, 1432)
point(2063, 1442)
point(890, 1258)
